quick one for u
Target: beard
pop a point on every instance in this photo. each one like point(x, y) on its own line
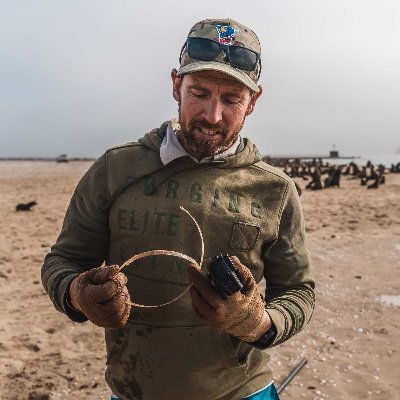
point(208, 146)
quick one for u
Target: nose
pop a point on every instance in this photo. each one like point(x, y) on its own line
point(213, 111)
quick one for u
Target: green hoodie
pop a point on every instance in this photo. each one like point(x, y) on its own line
point(127, 203)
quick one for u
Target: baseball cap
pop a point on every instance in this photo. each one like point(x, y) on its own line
point(226, 32)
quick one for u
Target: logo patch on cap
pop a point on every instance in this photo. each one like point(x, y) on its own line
point(225, 34)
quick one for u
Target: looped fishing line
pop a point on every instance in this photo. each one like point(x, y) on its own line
point(168, 253)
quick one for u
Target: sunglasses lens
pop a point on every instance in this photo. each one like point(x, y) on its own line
point(207, 50)
point(242, 58)
point(203, 49)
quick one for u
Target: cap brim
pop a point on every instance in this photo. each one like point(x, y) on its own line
point(217, 66)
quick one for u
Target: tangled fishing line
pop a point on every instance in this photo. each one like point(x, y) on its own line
point(168, 253)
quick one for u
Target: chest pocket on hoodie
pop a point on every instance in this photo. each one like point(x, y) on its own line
point(244, 236)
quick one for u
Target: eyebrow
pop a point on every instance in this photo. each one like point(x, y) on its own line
point(197, 87)
point(203, 89)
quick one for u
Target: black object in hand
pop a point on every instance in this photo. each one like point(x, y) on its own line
point(224, 275)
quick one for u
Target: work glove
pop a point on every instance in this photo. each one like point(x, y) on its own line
point(241, 314)
point(102, 296)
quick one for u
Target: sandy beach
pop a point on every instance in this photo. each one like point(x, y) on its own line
point(352, 343)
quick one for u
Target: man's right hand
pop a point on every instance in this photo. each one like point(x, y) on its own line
point(102, 296)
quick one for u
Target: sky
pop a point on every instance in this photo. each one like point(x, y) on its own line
point(78, 77)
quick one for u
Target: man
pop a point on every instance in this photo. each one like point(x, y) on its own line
point(207, 345)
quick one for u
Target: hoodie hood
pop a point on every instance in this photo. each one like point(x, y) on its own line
point(247, 153)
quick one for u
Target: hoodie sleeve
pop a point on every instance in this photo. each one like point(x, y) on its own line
point(83, 241)
point(289, 281)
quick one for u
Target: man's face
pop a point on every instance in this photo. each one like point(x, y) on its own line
point(212, 110)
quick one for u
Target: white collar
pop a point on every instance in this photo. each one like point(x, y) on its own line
point(171, 148)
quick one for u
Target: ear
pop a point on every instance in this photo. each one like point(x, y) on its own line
point(176, 85)
point(253, 100)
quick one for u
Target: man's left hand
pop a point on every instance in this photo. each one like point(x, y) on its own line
point(241, 314)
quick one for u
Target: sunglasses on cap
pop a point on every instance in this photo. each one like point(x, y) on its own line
point(207, 50)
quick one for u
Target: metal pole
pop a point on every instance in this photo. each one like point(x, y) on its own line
point(292, 374)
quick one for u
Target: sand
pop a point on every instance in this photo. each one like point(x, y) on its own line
point(351, 344)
